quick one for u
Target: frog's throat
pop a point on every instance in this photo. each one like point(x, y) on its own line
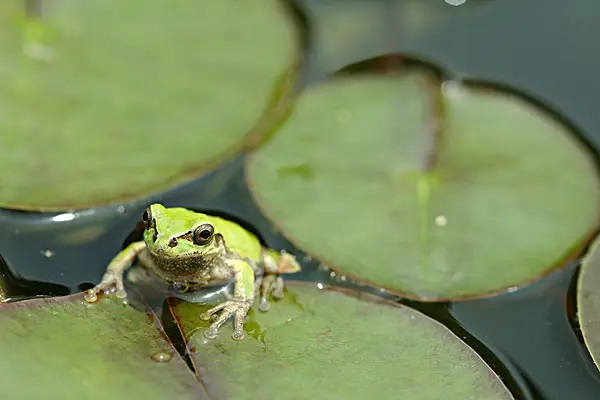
point(192, 268)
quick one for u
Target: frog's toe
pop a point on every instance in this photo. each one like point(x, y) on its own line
point(208, 314)
point(264, 304)
point(205, 316)
point(236, 308)
point(211, 333)
point(277, 290)
point(91, 295)
point(119, 290)
point(238, 334)
point(272, 286)
point(112, 282)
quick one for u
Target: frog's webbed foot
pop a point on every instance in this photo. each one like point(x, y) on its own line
point(112, 281)
point(238, 308)
point(271, 285)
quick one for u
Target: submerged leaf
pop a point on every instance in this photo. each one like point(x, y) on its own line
point(65, 348)
point(104, 100)
point(433, 192)
point(327, 344)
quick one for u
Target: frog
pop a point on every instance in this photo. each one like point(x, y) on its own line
point(192, 251)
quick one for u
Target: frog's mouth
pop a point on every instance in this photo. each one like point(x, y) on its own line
point(186, 287)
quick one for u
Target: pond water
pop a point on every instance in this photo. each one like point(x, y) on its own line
point(529, 336)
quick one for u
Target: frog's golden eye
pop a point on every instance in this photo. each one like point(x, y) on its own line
point(147, 218)
point(203, 234)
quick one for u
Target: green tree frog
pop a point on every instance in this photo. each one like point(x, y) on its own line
point(192, 250)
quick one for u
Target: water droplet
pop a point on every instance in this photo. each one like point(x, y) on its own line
point(343, 278)
point(451, 89)
point(320, 285)
point(332, 274)
point(162, 356)
point(456, 2)
point(47, 253)
point(121, 210)
point(441, 220)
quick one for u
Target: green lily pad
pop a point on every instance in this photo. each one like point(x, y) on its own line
point(104, 101)
point(435, 192)
point(65, 348)
point(325, 343)
point(588, 301)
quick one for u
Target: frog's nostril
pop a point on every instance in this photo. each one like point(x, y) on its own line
point(172, 242)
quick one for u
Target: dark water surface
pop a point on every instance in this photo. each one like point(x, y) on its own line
point(544, 48)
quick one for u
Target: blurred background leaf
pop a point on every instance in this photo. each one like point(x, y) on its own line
point(103, 103)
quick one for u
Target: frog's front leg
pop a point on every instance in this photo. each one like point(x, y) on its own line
point(113, 277)
point(237, 306)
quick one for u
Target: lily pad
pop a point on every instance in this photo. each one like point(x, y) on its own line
point(66, 348)
point(432, 191)
point(104, 101)
point(343, 344)
point(588, 301)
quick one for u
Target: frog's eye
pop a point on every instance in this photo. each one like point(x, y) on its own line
point(203, 234)
point(147, 218)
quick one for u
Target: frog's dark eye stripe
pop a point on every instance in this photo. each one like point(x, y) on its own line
point(203, 234)
point(147, 218)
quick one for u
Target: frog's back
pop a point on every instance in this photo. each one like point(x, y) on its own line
point(237, 238)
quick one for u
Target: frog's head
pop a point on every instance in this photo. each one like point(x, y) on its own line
point(183, 244)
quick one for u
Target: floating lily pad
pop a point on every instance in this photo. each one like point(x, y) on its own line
point(431, 191)
point(104, 101)
point(325, 343)
point(65, 348)
point(588, 301)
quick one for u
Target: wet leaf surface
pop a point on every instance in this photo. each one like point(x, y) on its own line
point(64, 348)
point(325, 343)
point(104, 101)
point(588, 301)
point(433, 192)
